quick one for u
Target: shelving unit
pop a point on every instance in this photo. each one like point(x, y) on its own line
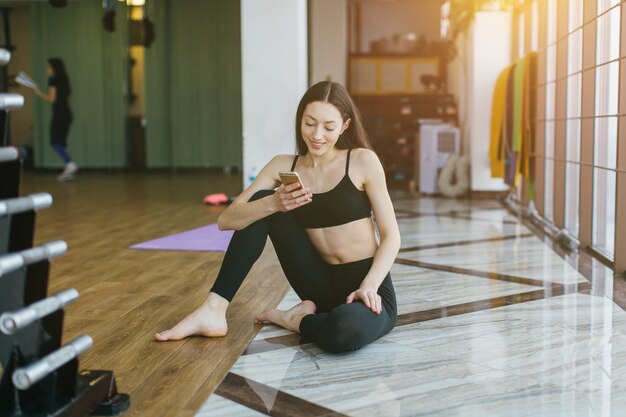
point(396, 93)
point(393, 123)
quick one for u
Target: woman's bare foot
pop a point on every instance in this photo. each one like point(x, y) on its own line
point(289, 319)
point(208, 320)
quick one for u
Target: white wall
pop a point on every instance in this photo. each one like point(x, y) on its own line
point(274, 77)
point(487, 56)
point(458, 80)
point(329, 40)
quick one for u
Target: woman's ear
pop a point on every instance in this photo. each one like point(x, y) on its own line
point(345, 125)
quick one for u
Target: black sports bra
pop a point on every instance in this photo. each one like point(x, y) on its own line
point(343, 204)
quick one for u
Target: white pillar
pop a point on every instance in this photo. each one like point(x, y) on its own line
point(489, 54)
point(274, 77)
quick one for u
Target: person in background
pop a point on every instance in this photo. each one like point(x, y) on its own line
point(59, 93)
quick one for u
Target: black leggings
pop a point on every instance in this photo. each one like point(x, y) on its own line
point(60, 128)
point(337, 326)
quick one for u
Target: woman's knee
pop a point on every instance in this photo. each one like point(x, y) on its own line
point(345, 333)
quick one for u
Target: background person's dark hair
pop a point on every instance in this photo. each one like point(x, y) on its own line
point(58, 68)
point(337, 95)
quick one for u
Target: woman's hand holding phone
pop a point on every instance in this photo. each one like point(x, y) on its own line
point(292, 193)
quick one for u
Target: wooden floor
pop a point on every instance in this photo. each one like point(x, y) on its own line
point(127, 295)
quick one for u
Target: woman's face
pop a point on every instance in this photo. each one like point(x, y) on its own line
point(49, 70)
point(321, 126)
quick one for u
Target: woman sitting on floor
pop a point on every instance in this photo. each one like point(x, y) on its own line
point(325, 240)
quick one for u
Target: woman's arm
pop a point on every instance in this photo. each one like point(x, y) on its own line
point(376, 189)
point(242, 212)
point(50, 97)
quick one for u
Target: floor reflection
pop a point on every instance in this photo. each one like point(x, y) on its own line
point(493, 321)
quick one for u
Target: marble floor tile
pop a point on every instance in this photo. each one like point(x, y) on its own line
point(558, 356)
point(496, 215)
point(499, 327)
point(444, 205)
point(223, 407)
point(519, 360)
point(393, 380)
point(419, 289)
point(525, 257)
point(422, 231)
point(575, 341)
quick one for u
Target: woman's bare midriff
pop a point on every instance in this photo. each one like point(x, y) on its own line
point(345, 243)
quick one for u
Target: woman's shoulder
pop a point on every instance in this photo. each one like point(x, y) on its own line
point(364, 165)
point(363, 156)
point(284, 157)
point(282, 161)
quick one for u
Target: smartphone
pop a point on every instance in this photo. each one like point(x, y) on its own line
point(290, 177)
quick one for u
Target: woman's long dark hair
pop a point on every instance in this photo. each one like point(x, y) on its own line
point(58, 68)
point(337, 95)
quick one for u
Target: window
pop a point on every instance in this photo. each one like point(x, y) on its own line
point(590, 125)
point(549, 138)
point(574, 94)
point(550, 111)
point(605, 142)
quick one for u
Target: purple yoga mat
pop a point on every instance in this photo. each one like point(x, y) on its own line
point(203, 239)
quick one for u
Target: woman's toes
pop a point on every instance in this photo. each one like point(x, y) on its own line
point(264, 317)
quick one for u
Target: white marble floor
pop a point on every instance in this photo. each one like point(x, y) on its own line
point(504, 327)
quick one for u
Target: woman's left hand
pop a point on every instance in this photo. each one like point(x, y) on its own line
point(370, 298)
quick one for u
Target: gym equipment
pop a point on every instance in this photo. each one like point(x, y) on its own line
point(11, 322)
point(5, 56)
point(38, 377)
point(454, 176)
point(10, 101)
point(17, 221)
point(41, 378)
point(8, 154)
point(24, 275)
point(21, 204)
point(11, 160)
point(203, 239)
point(218, 199)
point(25, 378)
